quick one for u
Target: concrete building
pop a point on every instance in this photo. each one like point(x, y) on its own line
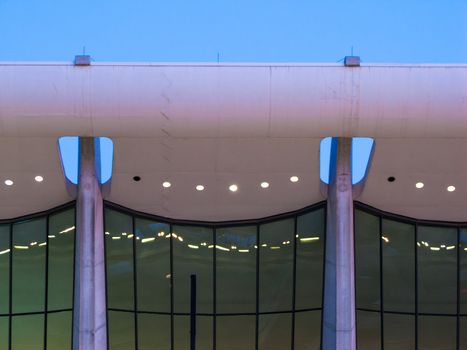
point(216, 173)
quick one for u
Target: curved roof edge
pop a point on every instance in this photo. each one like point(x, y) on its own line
point(225, 100)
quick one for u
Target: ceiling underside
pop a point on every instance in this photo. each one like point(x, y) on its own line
point(217, 163)
point(217, 126)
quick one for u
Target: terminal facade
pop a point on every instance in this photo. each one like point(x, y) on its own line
point(216, 171)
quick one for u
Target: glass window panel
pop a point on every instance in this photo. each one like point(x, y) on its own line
point(399, 332)
point(368, 330)
point(436, 332)
point(463, 333)
point(27, 332)
point(59, 331)
point(121, 330)
point(153, 265)
point(308, 330)
point(309, 265)
point(4, 329)
point(153, 332)
point(4, 268)
point(276, 266)
point(61, 249)
point(437, 269)
point(463, 270)
point(236, 269)
point(119, 256)
point(29, 265)
point(204, 334)
point(275, 332)
point(191, 255)
point(235, 332)
point(398, 266)
point(367, 248)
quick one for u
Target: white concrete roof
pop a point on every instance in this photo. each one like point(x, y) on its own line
point(218, 124)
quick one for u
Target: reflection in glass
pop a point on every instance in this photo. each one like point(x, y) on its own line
point(308, 330)
point(153, 330)
point(275, 331)
point(309, 265)
point(236, 269)
point(235, 332)
point(463, 333)
point(367, 265)
point(153, 265)
point(437, 269)
point(399, 332)
point(119, 255)
point(121, 330)
point(398, 266)
point(4, 325)
point(463, 271)
point(204, 334)
point(59, 330)
point(61, 248)
point(228, 256)
point(29, 265)
point(4, 268)
point(27, 332)
point(436, 332)
point(368, 330)
point(276, 266)
point(192, 255)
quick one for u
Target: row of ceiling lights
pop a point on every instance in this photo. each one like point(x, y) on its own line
point(232, 187)
point(450, 188)
point(10, 182)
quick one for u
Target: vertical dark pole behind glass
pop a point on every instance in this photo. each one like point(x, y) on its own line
point(193, 313)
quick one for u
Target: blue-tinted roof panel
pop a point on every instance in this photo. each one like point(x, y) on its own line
point(325, 159)
point(361, 153)
point(106, 149)
point(69, 154)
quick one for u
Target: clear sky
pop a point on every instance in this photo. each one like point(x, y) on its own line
point(399, 31)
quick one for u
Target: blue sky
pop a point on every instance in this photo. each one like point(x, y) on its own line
point(399, 31)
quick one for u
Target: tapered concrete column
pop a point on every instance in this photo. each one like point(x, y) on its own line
point(339, 284)
point(89, 321)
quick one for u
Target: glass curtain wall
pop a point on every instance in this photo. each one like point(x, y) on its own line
point(259, 283)
point(411, 282)
point(36, 281)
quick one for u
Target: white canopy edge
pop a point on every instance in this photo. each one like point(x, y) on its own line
point(206, 100)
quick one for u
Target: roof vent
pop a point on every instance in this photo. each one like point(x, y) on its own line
point(352, 61)
point(82, 60)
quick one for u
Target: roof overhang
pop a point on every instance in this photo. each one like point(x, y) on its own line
point(243, 123)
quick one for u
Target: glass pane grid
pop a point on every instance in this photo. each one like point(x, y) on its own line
point(230, 263)
point(36, 278)
point(422, 271)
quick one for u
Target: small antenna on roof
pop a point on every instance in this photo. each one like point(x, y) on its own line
point(352, 61)
point(83, 60)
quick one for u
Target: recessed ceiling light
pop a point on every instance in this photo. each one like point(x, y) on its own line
point(451, 188)
point(294, 179)
point(8, 182)
point(419, 185)
point(200, 188)
point(264, 184)
point(39, 178)
point(233, 188)
point(166, 184)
